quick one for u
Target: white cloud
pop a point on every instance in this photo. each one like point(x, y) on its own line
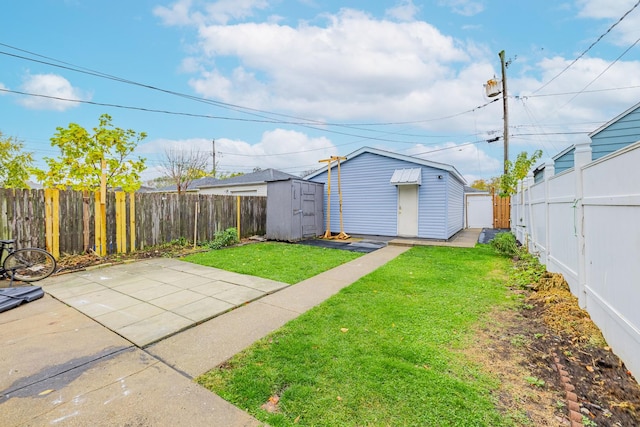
point(49, 85)
point(603, 9)
point(626, 32)
point(468, 158)
point(354, 67)
point(585, 76)
point(405, 10)
point(2, 86)
point(222, 11)
point(178, 14)
point(182, 13)
point(286, 150)
point(463, 7)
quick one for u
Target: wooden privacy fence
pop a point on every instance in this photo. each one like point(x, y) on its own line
point(74, 222)
point(501, 211)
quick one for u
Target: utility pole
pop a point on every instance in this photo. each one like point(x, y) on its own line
point(213, 168)
point(505, 107)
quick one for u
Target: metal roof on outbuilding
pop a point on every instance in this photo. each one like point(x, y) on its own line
point(259, 177)
point(267, 175)
point(406, 176)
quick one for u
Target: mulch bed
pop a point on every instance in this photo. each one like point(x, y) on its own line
point(558, 330)
point(71, 263)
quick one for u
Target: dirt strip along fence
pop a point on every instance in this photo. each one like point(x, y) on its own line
point(157, 218)
point(583, 222)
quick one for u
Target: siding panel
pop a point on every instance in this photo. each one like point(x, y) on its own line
point(564, 162)
point(370, 201)
point(617, 135)
point(455, 206)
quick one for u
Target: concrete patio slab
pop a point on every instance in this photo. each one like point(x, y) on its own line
point(58, 367)
point(118, 319)
point(155, 328)
point(148, 300)
point(40, 339)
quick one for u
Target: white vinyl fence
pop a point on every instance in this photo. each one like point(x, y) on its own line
point(585, 224)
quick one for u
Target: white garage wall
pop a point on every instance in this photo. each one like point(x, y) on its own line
point(479, 210)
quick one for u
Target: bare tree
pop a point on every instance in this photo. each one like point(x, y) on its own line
point(182, 166)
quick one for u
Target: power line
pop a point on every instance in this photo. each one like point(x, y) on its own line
point(207, 116)
point(235, 107)
point(589, 48)
point(600, 75)
point(583, 91)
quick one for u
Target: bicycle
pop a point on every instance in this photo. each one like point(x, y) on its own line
point(26, 264)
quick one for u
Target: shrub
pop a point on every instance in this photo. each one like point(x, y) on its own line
point(224, 238)
point(505, 244)
point(527, 268)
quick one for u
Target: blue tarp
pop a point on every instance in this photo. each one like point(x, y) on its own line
point(13, 297)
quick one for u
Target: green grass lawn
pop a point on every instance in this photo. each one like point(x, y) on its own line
point(384, 351)
point(283, 262)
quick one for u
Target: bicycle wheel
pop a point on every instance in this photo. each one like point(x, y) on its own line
point(29, 264)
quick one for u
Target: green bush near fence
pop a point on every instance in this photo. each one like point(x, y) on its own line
point(223, 238)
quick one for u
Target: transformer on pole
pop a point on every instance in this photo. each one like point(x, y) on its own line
point(492, 89)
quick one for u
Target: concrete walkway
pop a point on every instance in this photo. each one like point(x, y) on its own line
point(60, 367)
point(466, 238)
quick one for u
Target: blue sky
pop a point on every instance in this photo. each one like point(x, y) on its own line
point(286, 83)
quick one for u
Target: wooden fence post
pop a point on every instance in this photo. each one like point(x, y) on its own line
point(48, 219)
point(86, 235)
point(132, 221)
point(238, 215)
point(121, 222)
point(100, 224)
point(52, 220)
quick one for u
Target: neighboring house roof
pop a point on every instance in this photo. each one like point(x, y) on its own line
point(145, 189)
point(614, 120)
point(192, 186)
point(260, 177)
point(452, 170)
point(468, 189)
point(542, 164)
point(34, 185)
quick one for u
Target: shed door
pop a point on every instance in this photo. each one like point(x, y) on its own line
point(296, 214)
point(408, 210)
point(309, 210)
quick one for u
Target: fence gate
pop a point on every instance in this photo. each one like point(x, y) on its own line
point(501, 212)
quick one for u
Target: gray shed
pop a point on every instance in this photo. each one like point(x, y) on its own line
point(295, 209)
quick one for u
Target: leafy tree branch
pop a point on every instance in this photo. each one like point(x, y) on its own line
point(79, 164)
point(14, 163)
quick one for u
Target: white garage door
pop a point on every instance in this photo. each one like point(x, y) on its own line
point(479, 211)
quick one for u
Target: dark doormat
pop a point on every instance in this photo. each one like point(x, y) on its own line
point(13, 297)
point(363, 246)
point(487, 234)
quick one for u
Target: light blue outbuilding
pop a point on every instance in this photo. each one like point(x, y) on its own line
point(391, 194)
